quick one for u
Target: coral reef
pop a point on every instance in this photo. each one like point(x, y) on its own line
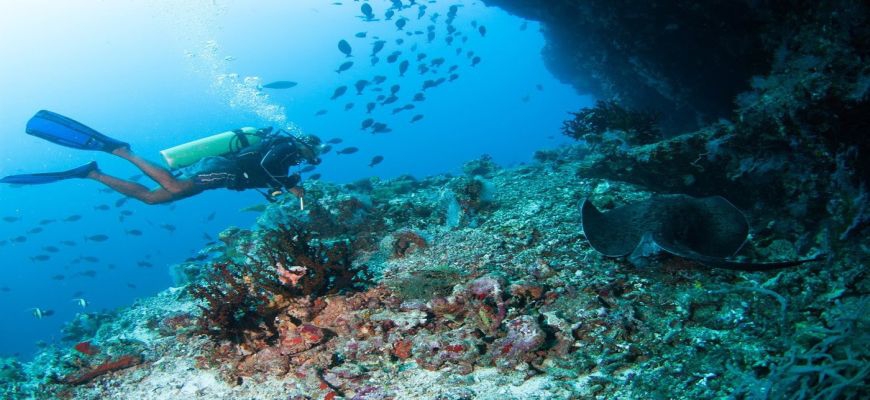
point(483, 166)
point(483, 286)
point(85, 325)
point(12, 375)
point(516, 307)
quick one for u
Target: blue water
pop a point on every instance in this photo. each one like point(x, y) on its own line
point(160, 73)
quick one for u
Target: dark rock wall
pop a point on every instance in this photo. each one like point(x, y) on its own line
point(684, 59)
point(789, 78)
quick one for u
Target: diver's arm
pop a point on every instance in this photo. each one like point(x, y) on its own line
point(291, 181)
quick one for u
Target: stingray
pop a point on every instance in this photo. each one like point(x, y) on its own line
point(706, 230)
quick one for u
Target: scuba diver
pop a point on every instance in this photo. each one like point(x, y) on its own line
point(245, 158)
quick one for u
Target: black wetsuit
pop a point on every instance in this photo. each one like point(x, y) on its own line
point(245, 169)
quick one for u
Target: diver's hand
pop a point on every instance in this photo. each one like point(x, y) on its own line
point(298, 191)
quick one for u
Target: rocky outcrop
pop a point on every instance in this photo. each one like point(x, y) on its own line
point(680, 58)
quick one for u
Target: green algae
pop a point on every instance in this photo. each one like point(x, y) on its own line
point(425, 283)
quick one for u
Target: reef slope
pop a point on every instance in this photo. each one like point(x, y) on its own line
point(480, 286)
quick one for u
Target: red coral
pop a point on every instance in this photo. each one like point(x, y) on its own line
point(405, 242)
point(119, 363)
point(87, 348)
point(402, 349)
point(328, 268)
point(527, 290)
point(455, 348)
point(296, 339)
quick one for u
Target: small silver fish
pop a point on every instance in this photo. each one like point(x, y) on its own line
point(40, 313)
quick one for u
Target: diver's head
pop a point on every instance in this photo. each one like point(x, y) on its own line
point(310, 147)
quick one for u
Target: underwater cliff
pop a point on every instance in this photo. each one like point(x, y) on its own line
point(483, 285)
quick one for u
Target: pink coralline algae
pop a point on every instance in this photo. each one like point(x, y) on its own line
point(523, 337)
point(458, 349)
point(486, 296)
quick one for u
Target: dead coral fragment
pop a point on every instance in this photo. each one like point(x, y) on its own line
point(268, 361)
point(456, 349)
point(524, 336)
point(117, 364)
point(298, 338)
point(486, 297)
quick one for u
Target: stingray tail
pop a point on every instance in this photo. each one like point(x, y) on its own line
point(755, 266)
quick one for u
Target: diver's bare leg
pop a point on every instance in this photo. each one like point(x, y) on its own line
point(161, 175)
point(142, 193)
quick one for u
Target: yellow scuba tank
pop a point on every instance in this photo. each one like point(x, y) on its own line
point(216, 145)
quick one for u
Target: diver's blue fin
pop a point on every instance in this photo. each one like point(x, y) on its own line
point(70, 133)
point(48, 177)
